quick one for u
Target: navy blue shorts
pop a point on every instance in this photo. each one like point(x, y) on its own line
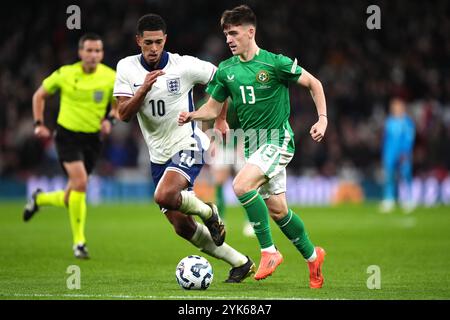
point(186, 162)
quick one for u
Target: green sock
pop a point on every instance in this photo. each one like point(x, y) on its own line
point(294, 229)
point(55, 198)
point(258, 215)
point(220, 201)
point(77, 214)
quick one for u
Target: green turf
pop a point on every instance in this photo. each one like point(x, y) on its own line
point(134, 253)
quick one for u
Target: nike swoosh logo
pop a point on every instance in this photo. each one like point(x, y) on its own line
point(136, 85)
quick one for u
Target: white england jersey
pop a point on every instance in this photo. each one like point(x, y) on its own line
point(170, 95)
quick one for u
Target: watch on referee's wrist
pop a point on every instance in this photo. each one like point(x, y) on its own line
point(37, 123)
point(111, 119)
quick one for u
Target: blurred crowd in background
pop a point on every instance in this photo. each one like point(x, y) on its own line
point(360, 70)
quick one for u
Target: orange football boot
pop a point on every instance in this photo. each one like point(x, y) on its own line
point(315, 269)
point(269, 262)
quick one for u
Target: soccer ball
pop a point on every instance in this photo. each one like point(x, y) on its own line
point(194, 273)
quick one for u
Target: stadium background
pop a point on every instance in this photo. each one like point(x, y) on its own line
point(359, 68)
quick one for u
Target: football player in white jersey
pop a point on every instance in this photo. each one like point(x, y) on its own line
point(156, 86)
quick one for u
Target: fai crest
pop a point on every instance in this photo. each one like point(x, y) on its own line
point(98, 96)
point(173, 85)
point(262, 76)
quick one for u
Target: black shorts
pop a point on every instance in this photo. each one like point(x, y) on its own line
point(77, 146)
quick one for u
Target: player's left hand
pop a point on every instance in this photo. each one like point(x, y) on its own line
point(317, 131)
point(106, 127)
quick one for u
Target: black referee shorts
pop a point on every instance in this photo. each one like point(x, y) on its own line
point(77, 146)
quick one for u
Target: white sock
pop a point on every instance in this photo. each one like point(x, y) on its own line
point(270, 249)
point(192, 205)
point(202, 240)
point(313, 256)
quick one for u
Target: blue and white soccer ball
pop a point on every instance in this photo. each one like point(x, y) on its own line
point(194, 273)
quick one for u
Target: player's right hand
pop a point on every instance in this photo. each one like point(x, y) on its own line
point(151, 78)
point(184, 117)
point(222, 126)
point(42, 132)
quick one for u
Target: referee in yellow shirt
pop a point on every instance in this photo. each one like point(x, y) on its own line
point(86, 94)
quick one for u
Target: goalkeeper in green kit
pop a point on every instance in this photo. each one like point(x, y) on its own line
point(257, 81)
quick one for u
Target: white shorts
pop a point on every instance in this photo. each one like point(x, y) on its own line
point(275, 185)
point(272, 160)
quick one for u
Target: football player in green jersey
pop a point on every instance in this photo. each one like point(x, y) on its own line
point(84, 115)
point(258, 83)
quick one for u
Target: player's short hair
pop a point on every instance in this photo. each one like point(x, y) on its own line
point(88, 36)
point(237, 16)
point(151, 22)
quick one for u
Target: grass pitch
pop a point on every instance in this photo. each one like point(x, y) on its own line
point(135, 251)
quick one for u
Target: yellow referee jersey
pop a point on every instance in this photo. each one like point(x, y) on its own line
point(84, 97)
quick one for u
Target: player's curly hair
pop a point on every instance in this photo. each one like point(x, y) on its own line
point(151, 22)
point(238, 16)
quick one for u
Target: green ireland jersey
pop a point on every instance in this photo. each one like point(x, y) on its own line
point(84, 97)
point(259, 89)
